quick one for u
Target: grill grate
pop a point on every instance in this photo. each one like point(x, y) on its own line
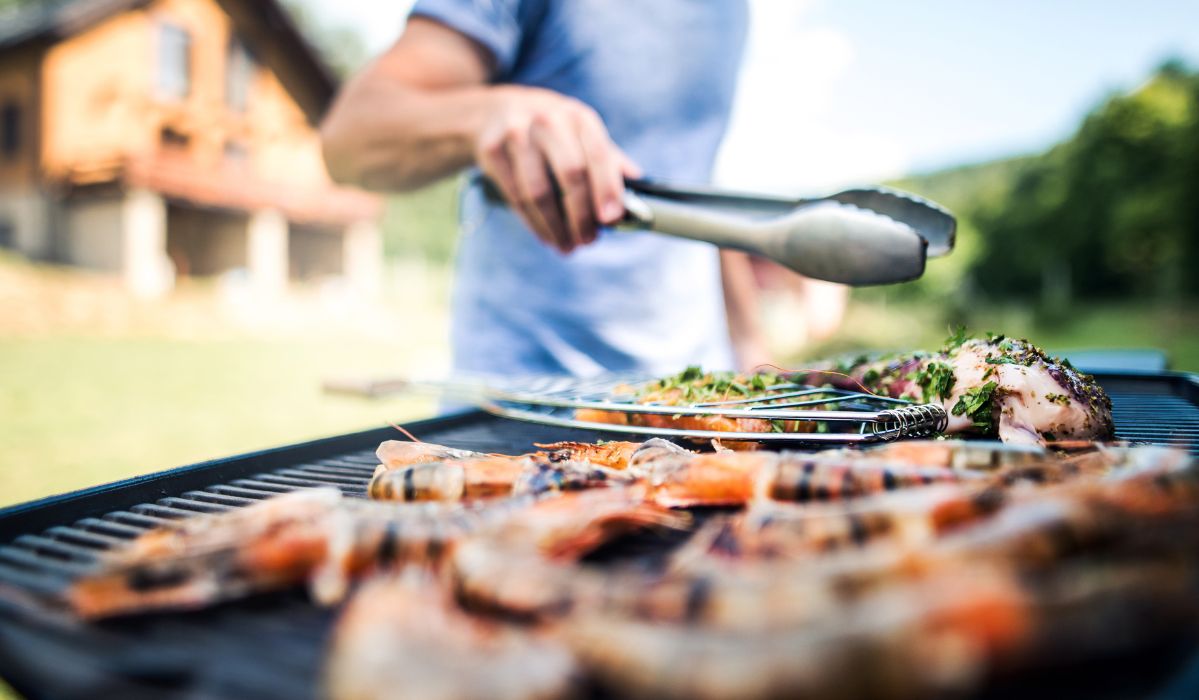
point(271, 645)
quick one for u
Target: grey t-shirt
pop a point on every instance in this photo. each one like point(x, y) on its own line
point(661, 74)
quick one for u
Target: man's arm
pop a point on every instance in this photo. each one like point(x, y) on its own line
point(424, 110)
point(741, 307)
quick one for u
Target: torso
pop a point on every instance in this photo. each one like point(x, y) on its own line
point(661, 73)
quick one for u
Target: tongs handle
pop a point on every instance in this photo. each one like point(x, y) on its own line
point(929, 220)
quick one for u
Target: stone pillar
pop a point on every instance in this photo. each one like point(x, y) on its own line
point(145, 266)
point(362, 256)
point(27, 211)
point(266, 253)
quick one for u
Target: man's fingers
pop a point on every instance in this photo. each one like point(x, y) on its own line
point(498, 167)
point(535, 195)
point(604, 168)
point(564, 153)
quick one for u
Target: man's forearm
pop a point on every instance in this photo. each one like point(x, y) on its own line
point(388, 136)
point(425, 109)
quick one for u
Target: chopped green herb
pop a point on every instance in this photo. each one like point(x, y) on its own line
point(935, 380)
point(976, 404)
point(1058, 398)
point(847, 365)
point(1001, 360)
point(956, 338)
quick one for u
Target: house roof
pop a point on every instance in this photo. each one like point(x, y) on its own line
point(264, 24)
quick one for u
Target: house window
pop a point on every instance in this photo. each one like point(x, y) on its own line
point(173, 139)
point(239, 71)
point(174, 61)
point(10, 130)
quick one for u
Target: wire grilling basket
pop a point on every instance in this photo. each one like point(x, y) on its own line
point(797, 413)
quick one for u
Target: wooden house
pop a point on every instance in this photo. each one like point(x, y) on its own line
point(159, 139)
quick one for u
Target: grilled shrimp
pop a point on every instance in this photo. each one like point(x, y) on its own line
point(451, 480)
point(941, 634)
point(488, 477)
point(542, 477)
point(314, 536)
point(612, 454)
point(958, 454)
point(516, 566)
point(802, 478)
point(402, 636)
point(393, 454)
point(401, 453)
point(734, 478)
point(911, 518)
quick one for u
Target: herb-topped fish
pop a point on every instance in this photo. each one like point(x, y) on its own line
point(991, 386)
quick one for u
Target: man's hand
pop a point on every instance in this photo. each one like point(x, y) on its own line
point(552, 158)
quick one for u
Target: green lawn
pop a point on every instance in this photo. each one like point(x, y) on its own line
point(80, 411)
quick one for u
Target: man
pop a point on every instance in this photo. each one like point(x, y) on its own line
point(556, 102)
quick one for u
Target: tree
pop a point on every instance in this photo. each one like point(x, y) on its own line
point(341, 46)
point(1113, 211)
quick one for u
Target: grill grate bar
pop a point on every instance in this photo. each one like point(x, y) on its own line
point(38, 563)
point(84, 537)
point(44, 545)
point(269, 488)
point(31, 581)
point(121, 530)
point(155, 510)
point(348, 472)
point(305, 483)
point(138, 519)
point(253, 494)
point(192, 506)
point(333, 479)
point(366, 458)
point(219, 498)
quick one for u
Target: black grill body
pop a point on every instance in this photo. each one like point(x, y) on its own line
point(271, 646)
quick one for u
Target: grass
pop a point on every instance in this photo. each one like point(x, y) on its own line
point(81, 411)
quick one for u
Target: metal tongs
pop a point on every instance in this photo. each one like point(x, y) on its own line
point(858, 237)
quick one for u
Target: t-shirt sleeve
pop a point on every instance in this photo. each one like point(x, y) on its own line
point(494, 24)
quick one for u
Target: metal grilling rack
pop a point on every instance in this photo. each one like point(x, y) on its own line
point(823, 415)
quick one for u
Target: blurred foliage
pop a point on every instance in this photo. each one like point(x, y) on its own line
point(423, 224)
point(1110, 213)
point(341, 46)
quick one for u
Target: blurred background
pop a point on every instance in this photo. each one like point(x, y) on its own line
point(178, 275)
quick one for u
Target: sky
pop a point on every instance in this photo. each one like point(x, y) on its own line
point(835, 93)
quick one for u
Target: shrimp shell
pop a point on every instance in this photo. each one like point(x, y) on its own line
point(402, 636)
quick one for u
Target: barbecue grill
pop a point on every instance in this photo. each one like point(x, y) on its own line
point(271, 646)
